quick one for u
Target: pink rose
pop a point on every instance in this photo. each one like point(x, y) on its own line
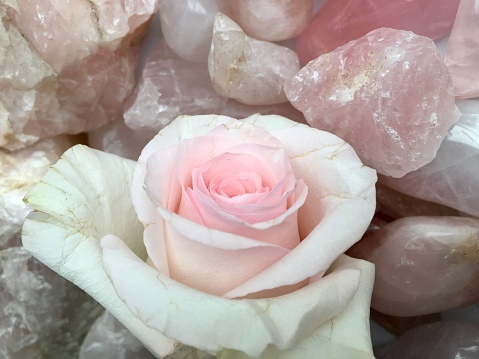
point(229, 209)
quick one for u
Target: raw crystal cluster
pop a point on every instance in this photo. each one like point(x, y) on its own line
point(452, 178)
point(388, 94)
point(339, 21)
point(66, 66)
point(423, 264)
point(170, 86)
point(248, 70)
point(187, 27)
point(269, 20)
point(462, 54)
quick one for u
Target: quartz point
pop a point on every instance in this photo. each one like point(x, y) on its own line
point(423, 264)
point(339, 21)
point(388, 94)
point(66, 66)
point(248, 70)
point(170, 86)
point(440, 340)
point(462, 52)
point(452, 178)
point(269, 20)
point(187, 27)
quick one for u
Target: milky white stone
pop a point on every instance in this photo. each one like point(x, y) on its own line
point(170, 86)
point(388, 94)
point(248, 70)
point(452, 178)
point(270, 20)
point(188, 27)
point(65, 66)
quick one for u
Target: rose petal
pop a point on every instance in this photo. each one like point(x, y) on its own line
point(344, 336)
point(336, 212)
point(78, 202)
point(173, 309)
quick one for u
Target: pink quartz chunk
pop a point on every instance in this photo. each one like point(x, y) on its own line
point(248, 70)
point(339, 21)
point(170, 86)
point(423, 264)
point(388, 94)
point(187, 27)
point(462, 54)
point(452, 178)
point(270, 20)
point(65, 67)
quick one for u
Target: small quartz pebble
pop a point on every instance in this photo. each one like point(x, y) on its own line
point(339, 21)
point(388, 94)
point(269, 20)
point(170, 86)
point(423, 264)
point(248, 70)
point(462, 53)
point(440, 340)
point(452, 178)
point(65, 66)
point(187, 27)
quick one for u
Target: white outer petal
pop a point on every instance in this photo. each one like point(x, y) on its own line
point(344, 336)
point(83, 197)
point(213, 323)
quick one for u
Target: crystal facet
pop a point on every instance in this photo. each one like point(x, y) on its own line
point(388, 94)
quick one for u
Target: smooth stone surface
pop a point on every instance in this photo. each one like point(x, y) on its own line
point(397, 205)
point(19, 171)
point(452, 178)
point(388, 94)
point(399, 325)
point(443, 340)
point(423, 264)
point(269, 20)
point(339, 21)
point(170, 86)
point(187, 27)
point(117, 138)
point(462, 53)
point(109, 339)
point(248, 70)
point(65, 66)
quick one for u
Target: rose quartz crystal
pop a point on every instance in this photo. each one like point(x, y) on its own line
point(269, 20)
point(423, 264)
point(397, 205)
point(339, 21)
point(462, 54)
point(66, 66)
point(248, 70)
point(188, 27)
point(452, 178)
point(388, 94)
point(170, 86)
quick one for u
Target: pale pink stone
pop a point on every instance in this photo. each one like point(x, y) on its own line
point(61, 70)
point(397, 205)
point(170, 87)
point(270, 20)
point(339, 21)
point(248, 70)
point(452, 178)
point(388, 94)
point(462, 53)
point(188, 27)
point(423, 264)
